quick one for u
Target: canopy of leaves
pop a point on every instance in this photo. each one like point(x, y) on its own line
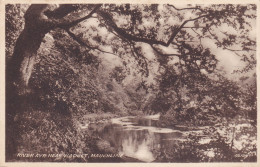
point(175, 54)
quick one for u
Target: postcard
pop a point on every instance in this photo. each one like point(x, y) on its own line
point(136, 83)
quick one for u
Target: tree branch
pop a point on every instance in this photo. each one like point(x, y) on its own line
point(108, 18)
point(175, 32)
point(226, 48)
point(185, 8)
point(82, 43)
point(163, 54)
point(61, 11)
point(73, 36)
point(199, 36)
point(193, 27)
point(123, 33)
point(135, 52)
point(67, 23)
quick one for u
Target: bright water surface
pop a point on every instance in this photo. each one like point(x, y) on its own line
point(146, 139)
point(140, 138)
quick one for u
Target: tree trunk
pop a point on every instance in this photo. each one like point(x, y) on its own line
point(20, 66)
point(39, 20)
point(18, 72)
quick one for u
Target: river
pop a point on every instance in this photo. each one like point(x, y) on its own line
point(139, 137)
point(145, 139)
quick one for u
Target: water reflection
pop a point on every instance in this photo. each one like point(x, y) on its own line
point(139, 138)
point(144, 139)
point(137, 144)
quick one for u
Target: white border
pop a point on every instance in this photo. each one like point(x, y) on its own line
point(2, 85)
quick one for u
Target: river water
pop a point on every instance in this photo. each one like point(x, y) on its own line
point(140, 137)
point(145, 139)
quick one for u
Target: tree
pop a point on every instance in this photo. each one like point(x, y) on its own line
point(175, 51)
point(39, 20)
point(173, 40)
point(188, 47)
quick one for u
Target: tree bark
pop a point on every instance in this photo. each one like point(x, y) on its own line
point(20, 66)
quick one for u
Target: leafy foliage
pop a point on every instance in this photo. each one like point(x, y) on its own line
point(14, 24)
point(136, 59)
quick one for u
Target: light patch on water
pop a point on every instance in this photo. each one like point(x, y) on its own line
point(175, 139)
point(127, 123)
point(153, 117)
point(115, 121)
point(151, 129)
point(141, 151)
point(120, 121)
point(159, 130)
point(130, 126)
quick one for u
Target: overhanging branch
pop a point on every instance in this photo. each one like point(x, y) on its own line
point(73, 36)
point(179, 9)
point(175, 32)
point(61, 11)
point(82, 43)
point(108, 18)
point(163, 54)
point(68, 23)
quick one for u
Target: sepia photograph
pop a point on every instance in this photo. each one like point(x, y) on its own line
point(130, 82)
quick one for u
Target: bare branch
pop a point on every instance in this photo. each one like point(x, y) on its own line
point(193, 27)
point(105, 51)
point(194, 8)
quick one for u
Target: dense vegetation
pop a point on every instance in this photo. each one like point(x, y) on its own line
point(136, 60)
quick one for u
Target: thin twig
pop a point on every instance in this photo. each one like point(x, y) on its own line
point(224, 47)
point(179, 9)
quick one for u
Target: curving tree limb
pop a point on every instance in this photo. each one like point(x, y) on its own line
point(108, 18)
